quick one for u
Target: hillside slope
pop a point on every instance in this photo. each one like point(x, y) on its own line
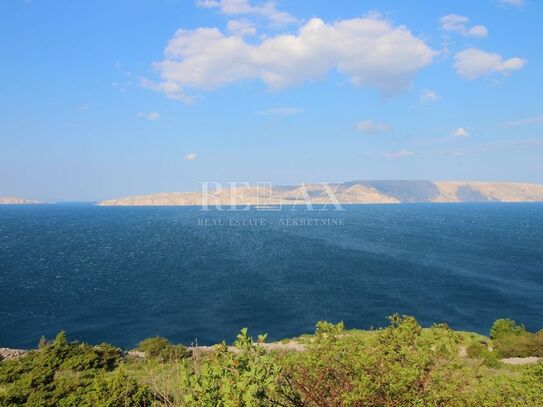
point(354, 192)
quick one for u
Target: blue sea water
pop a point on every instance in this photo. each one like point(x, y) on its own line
point(120, 275)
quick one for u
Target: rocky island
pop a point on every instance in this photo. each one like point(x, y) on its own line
point(9, 200)
point(354, 192)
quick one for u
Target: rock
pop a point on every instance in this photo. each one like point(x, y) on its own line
point(136, 354)
point(521, 361)
point(9, 354)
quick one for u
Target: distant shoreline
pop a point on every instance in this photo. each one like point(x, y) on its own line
point(347, 193)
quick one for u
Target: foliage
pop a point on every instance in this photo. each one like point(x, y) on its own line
point(400, 365)
point(247, 377)
point(59, 373)
point(509, 391)
point(526, 344)
point(396, 367)
point(505, 327)
point(117, 390)
point(512, 340)
point(327, 328)
point(160, 348)
point(479, 350)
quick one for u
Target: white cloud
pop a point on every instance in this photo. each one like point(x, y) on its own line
point(399, 154)
point(472, 63)
point(153, 116)
point(281, 111)
point(241, 28)
point(514, 3)
point(266, 10)
point(460, 132)
point(190, 157)
point(478, 31)
point(370, 51)
point(524, 122)
point(371, 127)
point(171, 89)
point(428, 96)
point(208, 3)
point(459, 24)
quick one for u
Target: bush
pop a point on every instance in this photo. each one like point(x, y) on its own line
point(524, 345)
point(51, 375)
point(248, 377)
point(324, 327)
point(479, 350)
point(505, 327)
point(160, 348)
point(400, 365)
point(153, 346)
point(525, 389)
point(117, 390)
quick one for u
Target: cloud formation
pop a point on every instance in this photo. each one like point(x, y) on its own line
point(473, 63)
point(370, 51)
point(171, 89)
point(153, 116)
point(428, 96)
point(399, 154)
point(460, 132)
point(190, 157)
point(370, 127)
point(267, 10)
point(241, 28)
point(459, 24)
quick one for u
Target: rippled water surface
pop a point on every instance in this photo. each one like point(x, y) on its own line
point(122, 274)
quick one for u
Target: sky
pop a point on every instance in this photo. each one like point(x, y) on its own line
point(108, 98)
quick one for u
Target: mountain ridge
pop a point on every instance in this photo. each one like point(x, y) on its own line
point(352, 192)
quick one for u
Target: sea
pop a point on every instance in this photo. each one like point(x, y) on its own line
point(122, 274)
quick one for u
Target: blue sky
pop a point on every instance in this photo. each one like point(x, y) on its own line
point(102, 99)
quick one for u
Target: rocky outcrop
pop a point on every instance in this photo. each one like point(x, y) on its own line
point(8, 354)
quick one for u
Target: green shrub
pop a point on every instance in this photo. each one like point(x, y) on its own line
point(61, 373)
point(399, 365)
point(479, 350)
point(160, 348)
point(512, 340)
point(524, 390)
point(505, 327)
point(117, 390)
point(245, 378)
point(524, 345)
point(324, 327)
point(475, 349)
point(153, 346)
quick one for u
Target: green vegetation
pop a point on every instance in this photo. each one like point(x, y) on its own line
point(160, 348)
point(63, 373)
point(512, 340)
point(400, 365)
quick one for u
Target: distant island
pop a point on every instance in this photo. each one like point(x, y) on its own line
point(354, 192)
point(9, 200)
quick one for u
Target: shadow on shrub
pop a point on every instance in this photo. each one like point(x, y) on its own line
point(160, 348)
